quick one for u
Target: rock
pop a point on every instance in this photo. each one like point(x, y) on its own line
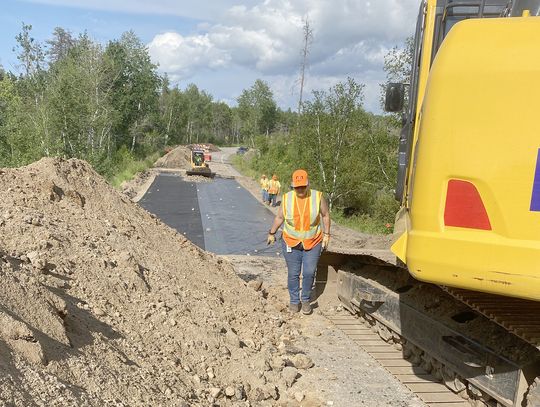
point(299, 396)
point(229, 391)
point(277, 363)
point(271, 391)
point(32, 256)
point(240, 393)
point(250, 343)
point(256, 284)
point(232, 339)
point(257, 394)
point(99, 312)
point(289, 374)
point(215, 392)
point(301, 361)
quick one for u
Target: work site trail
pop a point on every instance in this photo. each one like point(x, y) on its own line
point(225, 216)
point(219, 216)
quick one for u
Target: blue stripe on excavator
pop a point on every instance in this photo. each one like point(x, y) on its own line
point(535, 201)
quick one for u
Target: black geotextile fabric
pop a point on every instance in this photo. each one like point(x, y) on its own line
point(175, 203)
point(218, 216)
point(234, 222)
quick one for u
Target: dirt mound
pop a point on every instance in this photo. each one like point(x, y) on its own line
point(179, 157)
point(101, 304)
point(204, 146)
point(132, 187)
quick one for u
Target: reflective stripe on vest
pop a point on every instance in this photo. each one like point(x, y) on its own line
point(295, 230)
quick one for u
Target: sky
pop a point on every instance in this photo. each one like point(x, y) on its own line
point(223, 46)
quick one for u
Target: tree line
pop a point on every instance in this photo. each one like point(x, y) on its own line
point(350, 154)
point(106, 104)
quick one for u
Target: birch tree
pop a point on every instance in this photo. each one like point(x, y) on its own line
point(307, 40)
point(328, 137)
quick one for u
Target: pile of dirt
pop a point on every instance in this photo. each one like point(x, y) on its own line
point(103, 305)
point(197, 178)
point(132, 187)
point(179, 157)
point(204, 146)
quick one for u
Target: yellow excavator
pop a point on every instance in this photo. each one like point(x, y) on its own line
point(199, 166)
point(462, 293)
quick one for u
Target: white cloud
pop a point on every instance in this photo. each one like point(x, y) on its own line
point(182, 56)
point(350, 38)
point(264, 38)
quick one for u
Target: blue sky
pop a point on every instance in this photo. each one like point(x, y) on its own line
point(223, 46)
point(101, 25)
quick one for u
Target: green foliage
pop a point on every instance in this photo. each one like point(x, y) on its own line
point(350, 155)
point(126, 166)
point(398, 66)
point(363, 223)
point(257, 109)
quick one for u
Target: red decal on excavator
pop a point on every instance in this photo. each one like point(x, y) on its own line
point(464, 207)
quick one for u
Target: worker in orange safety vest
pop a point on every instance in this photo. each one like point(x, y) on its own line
point(274, 186)
point(300, 213)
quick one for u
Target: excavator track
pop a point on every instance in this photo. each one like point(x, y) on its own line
point(484, 347)
point(518, 316)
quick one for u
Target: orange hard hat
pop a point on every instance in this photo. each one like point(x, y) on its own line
point(274, 177)
point(300, 179)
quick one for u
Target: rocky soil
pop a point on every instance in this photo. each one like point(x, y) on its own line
point(101, 304)
point(179, 157)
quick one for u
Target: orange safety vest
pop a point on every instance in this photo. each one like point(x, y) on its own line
point(273, 187)
point(302, 219)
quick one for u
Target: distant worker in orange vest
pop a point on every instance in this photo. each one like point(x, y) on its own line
point(300, 214)
point(274, 186)
point(264, 188)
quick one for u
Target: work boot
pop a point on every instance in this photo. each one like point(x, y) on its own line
point(306, 308)
point(294, 307)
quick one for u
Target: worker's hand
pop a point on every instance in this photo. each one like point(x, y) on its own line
point(271, 239)
point(325, 241)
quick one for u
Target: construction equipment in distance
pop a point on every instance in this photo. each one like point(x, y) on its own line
point(199, 166)
point(469, 223)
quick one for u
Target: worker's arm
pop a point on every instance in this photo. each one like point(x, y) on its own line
point(325, 214)
point(278, 221)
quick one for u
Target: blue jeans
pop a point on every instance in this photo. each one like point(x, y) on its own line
point(272, 198)
point(305, 261)
point(264, 195)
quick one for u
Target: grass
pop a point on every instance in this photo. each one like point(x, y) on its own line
point(362, 223)
point(129, 168)
point(242, 166)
